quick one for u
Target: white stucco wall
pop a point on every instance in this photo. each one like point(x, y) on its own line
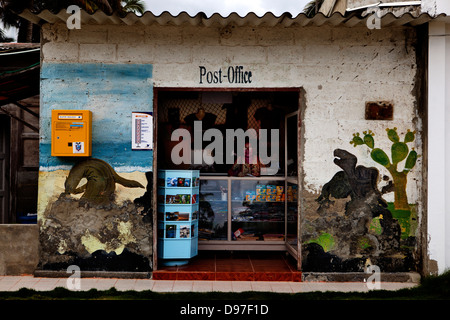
point(339, 68)
point(438, 149)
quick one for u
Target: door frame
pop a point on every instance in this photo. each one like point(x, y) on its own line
point(296, 252)
point(5, 134)
point(300, 107)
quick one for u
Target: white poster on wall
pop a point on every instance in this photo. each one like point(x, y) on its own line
point(142, 131)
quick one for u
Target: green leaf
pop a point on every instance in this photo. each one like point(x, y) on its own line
point(368, 140)
point(399, 152)
point(380, 157)
point(392, 135)
point(411, 160)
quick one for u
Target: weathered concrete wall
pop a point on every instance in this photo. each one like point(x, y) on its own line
point(18, 249)
point(107, 225)
point(339, 68)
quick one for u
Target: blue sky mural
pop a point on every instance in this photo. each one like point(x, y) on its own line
point(112, 92)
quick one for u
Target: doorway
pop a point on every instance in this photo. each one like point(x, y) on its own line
point(232, 215)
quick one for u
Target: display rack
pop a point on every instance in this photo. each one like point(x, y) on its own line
point(251, 213)
point(178, 195)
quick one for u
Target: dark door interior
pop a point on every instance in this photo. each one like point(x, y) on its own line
point(4, 168)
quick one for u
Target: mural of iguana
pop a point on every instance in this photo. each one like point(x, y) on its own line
point(101, 181)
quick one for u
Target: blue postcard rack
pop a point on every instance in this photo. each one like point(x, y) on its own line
point(178, 195)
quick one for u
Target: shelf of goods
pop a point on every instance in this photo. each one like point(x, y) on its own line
point(232, 211)
point(178, 207)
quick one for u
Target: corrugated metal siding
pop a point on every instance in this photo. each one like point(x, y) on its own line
point(200, 19)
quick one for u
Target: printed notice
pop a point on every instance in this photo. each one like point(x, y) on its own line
point(142, 131)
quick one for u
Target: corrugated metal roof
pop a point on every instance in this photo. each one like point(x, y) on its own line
point(251, 19)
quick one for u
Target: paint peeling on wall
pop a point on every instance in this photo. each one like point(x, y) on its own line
point(76, 231)
point(92, 243)
point(325, 61)
point(96, 212)
point(343, 238)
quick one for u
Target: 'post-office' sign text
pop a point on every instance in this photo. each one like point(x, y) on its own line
point(232, 75)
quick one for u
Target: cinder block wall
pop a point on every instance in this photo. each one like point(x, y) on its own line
point(339, 69)
point(18, 249)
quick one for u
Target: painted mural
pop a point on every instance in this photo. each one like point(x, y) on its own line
point(96, 212)
point(100, 183)
point(399, 152)
point(353, 225)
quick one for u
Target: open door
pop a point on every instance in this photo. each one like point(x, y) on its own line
point(292, 129)
point(4, 170)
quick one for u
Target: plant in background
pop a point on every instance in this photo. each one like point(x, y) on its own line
point(312, 8)
point(399, 152)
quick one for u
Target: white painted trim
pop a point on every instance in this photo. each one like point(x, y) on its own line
point(438, 149)
point(19, 52)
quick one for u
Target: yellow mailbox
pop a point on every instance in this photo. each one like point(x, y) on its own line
point(71, 133)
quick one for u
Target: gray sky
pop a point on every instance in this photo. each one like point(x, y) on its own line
point(224, 7)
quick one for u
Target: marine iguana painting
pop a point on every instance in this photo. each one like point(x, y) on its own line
point(101, 181)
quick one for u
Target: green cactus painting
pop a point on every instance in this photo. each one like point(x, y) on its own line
point(399, 152)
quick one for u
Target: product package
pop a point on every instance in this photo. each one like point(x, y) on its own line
point(183, 216)
point(260, 197)
point(238, 232)
point(171, 199)
point(171, 216)
point(250, 195)
point(260, 189)
point(271, 189)
point(171, 231)
point(172, 182)
point(184, 231)
point(280, 190)
point(183, 199)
